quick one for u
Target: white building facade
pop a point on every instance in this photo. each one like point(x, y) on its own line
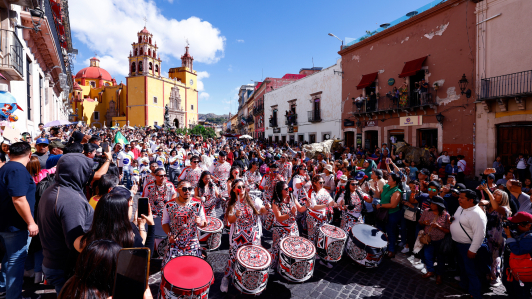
point(307, 110)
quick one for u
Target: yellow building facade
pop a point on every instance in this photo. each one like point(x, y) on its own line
point(99, 101)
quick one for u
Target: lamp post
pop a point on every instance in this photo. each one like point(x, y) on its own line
point(342, 46)
point(439, 118)
point(463, 84)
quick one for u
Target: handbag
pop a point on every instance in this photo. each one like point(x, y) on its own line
point(410, 215)
point(425, 237)
point(382, 215)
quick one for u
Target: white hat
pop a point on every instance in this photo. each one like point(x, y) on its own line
point(329, 167)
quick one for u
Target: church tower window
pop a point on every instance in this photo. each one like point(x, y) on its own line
point(136, 51)
point(133, 68)
point(156, 68)
point(154, 54)
point(140, 66)
point(150, 66)
point(140, 39)
point(150, 40)
point(149, 52)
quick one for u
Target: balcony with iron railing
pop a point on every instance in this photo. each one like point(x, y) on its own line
point(11, 50)
point(250, 119)
point(388, 103)
point(291, 120)
point(506, 86)
point(273, 122)
point(314, 115)
point(259, 109)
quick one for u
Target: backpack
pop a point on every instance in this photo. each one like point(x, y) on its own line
point(520, 267)
point(43, 185)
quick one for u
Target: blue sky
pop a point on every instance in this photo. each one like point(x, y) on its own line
point(233, 42)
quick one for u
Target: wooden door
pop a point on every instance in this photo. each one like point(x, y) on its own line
point(513, 140)
point(349, 139)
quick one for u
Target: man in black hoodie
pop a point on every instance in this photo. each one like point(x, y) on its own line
point(65, 215)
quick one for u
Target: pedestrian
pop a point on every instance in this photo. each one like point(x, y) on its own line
point(41, 151)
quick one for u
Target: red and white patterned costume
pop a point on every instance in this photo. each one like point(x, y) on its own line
point(183, 227)
point(221, 172)
point(350, 217)
point(252, 179)
point(268, 183)
point(158, 196)
point(285, 170)
point(283, 229)
point(315, 219)
point(191, 175)
point(210, 199)
point(246, 230)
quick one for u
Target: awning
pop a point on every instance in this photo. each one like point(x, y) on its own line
point(412, 67)
point(367, 80)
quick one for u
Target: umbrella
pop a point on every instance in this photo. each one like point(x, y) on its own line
point(56, 123)
point(245, 137)
point(157, 127)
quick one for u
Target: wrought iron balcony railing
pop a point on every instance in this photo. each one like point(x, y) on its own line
point(510, 85)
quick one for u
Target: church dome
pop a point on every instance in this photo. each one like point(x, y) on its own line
point(94, 71)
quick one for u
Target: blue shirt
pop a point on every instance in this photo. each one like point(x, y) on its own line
point(15, 181)
point(52, 160)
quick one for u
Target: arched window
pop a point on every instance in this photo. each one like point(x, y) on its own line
point(156, 68)
point(133, 67)
point(150, 65)
point(149, 52)
point(140, 39)
point(154, 54)
point(150, 40)
point(136, 51)
point(140, 66)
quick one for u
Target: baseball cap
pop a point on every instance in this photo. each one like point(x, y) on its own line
point(425, 172)
point(458, 187)
point(360, 175)
point(521, 217)
point(42, 141)
point(56, 143)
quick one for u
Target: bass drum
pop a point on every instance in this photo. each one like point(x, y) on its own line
point(330, 242)
point(366, 245)
point(297, 257)
point(251, 269)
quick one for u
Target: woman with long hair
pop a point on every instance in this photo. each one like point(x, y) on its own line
point(95, 272)
point(174, 167)
point(390, 199)
point(242, 213)
point(351, 202)
point(285, 208)
point(207, 192)
point(34, 168)
point(234, 173)
point(103, 186)
point(252, 177)
point(318, 201)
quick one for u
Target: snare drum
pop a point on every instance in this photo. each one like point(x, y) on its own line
point(330, 242)
point(296, 258)
point(251, 269)
point(186, 277)
point(210, 236)
point(366, 245)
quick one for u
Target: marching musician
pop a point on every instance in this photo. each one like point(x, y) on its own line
point(234, 174)
point(207, 193)
point(319, 200)
point(221, 171)
point(252, 177)
point(269, 180)
point(192, 173)
point(285, 167)
point(285, 208)
point(181, 219)
point(302, 185)
point(351, 203)
point(243, 215)
point(159, 192)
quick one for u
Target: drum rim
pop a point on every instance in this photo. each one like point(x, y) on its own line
point(351, 236)
point(199, 289)
point(293, 256)
point(251, 267)
point(345, 234)
point(213, 231)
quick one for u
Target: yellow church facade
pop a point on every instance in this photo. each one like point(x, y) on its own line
point(99, 101)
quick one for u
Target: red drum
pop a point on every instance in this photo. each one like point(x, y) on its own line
point(330, 242)
point(296, 258)
point(186, 277)
point(251, 269)
point(366, 245)
point(210, 236)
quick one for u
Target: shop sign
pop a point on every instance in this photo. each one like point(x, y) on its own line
point(349, 123)
point(277, 130)
point(391, 81)
point(414, 120)
point(371, 123)
point(296, 128)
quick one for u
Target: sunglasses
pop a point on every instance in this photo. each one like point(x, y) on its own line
point(239, 187)
point(186, 189)
point(160, 175)
point(320, 182)
point(275, 171)
point(353, 184)
point(303, 169)
point(433, 189)
point(286, 189)
point(194, 161)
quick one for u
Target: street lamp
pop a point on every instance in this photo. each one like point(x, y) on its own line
point(439, 118)
point(463, 84)
point(330, 34)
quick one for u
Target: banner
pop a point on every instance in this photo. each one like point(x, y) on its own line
point(414, 120)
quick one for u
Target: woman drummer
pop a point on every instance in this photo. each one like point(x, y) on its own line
point(243, 215)
point(207, 193)
point(352, 208)
point(285, 208)
point(319, 200)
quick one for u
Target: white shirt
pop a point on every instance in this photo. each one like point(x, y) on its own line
point(462, 165)
point(474, 222)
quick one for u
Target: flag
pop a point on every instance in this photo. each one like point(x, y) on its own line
point(119, 138)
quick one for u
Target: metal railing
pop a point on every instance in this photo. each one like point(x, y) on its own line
point(314, 115)
point(12, 50)
point(250, 119)
point(273, 123)
point(258, 109)
point(511, 85)
point(388, 102)
point(291, 120)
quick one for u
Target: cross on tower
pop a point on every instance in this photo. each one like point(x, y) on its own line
point(145, 21)
point(95, 54)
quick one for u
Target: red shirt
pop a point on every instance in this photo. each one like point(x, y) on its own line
point(230, 158)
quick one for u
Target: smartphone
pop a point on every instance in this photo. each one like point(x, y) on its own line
point(105, 147)
point(143, 207)
point(483, 182)
point(417, 187)
point(131, 277)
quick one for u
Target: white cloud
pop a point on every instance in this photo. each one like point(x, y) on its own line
point(110, 26)
point(204, 96)
point(230, 69)
point(240, 41)
point(202, 75)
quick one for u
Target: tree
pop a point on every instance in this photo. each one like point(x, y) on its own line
point(201, 130)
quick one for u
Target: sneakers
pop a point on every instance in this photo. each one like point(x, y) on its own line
point(39, 278)
point(496, 282)
point(326, 264)
point(416, 261)
point(411, 258)
point(405, 250)
point(225, 285)
point(424, 270)
point(419, 266)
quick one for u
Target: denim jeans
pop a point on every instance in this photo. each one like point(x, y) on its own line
point(12, 278)
point(55, 277)
point(172, 174)
point(391, 229)
point(468, 273)
point(34, 261)
point(432, 252)
point(127, 178)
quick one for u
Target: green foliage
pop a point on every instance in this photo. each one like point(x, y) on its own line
point(216, 120)
point(201, 130)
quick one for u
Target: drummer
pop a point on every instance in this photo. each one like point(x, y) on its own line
point(234, 174)
point(192, 173)
point(302, 184)
point(352, 209)
point(285, 208)
point(252, 177)
point(243, 215)
point(207, 193)
point(159, 192)
point(319, 199)
point(221, 171)
point(181, 219)
point(269, 180)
